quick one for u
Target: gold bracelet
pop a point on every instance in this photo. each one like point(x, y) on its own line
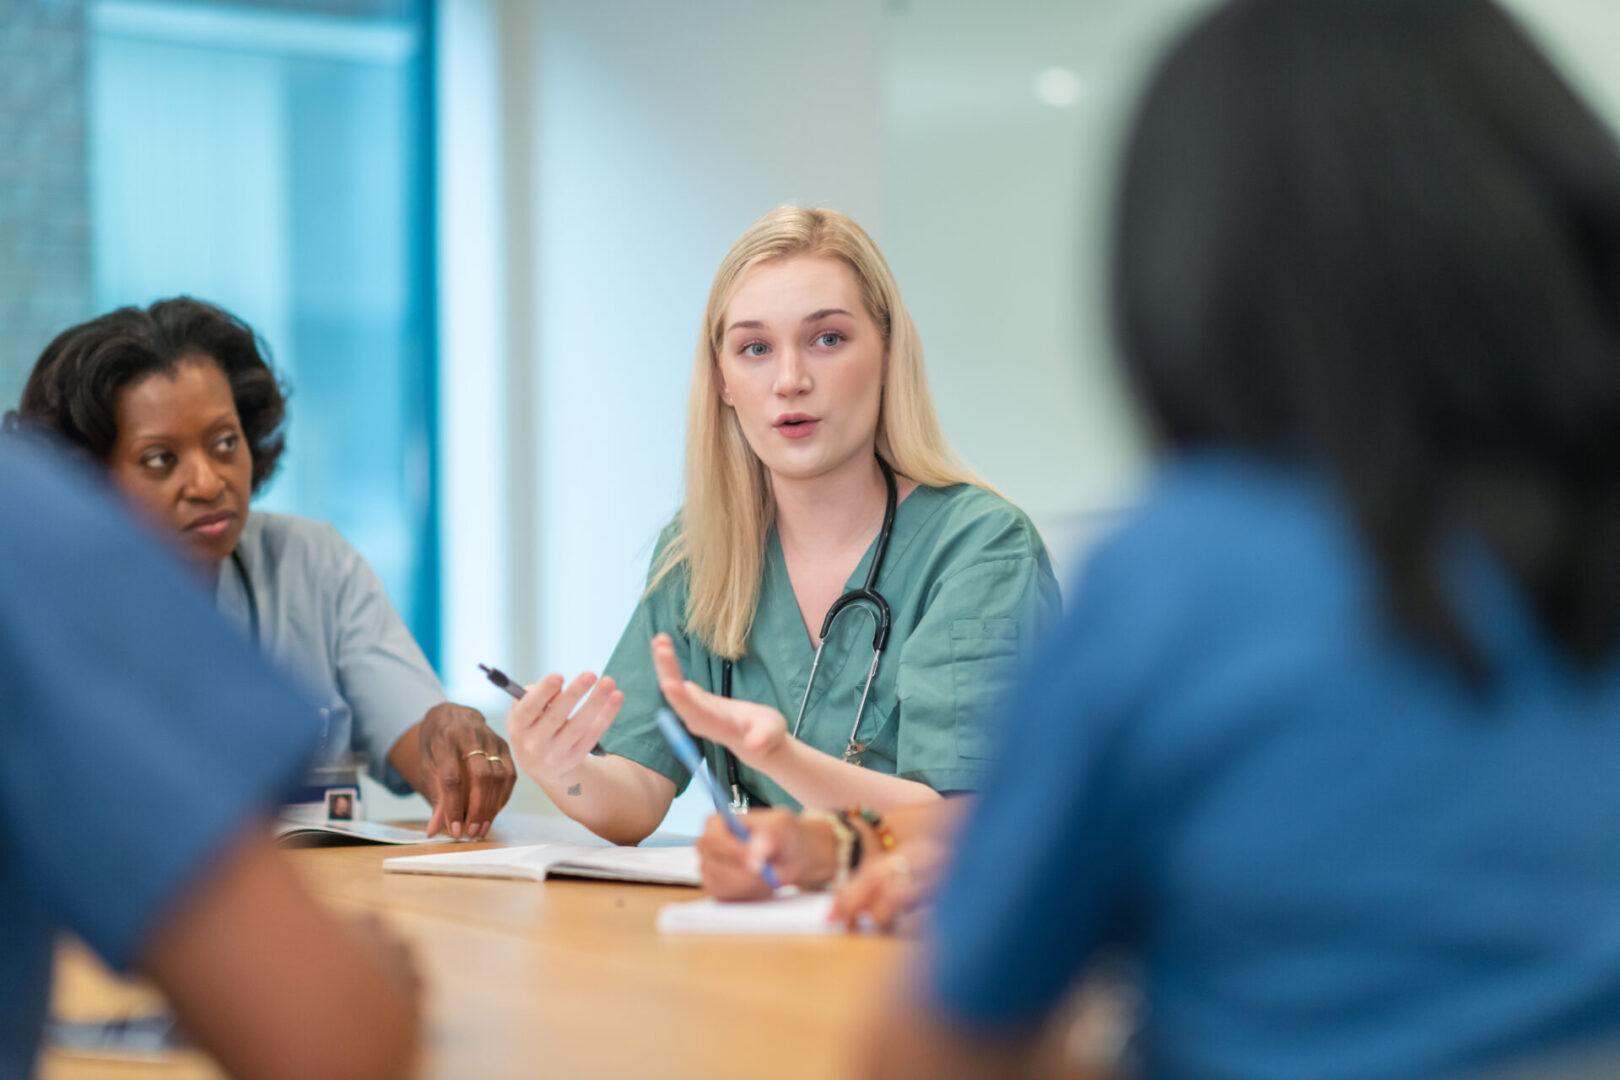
point(846, 842)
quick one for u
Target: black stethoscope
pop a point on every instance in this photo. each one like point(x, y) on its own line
point(874, 605)
point(252, 600)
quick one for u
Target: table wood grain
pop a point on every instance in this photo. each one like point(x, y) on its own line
point(563, 979)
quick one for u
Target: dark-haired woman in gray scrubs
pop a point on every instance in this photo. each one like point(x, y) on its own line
point(177, 403)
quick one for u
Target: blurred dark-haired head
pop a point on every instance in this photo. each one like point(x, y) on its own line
point(1381, 238)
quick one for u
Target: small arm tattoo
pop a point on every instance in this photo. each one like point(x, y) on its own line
point(574, 790)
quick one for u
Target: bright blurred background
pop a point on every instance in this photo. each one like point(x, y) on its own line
point(477, 236)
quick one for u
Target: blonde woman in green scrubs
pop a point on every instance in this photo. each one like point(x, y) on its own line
point(808, 381)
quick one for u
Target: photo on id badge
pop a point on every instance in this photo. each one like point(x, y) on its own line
point(341, 804)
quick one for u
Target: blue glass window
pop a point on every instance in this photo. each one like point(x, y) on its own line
point(275, 159)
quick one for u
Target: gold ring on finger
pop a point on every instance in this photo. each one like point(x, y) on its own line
point(474, 753)
point(493, 759)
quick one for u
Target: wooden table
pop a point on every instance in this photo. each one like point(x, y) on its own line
point(566, 979)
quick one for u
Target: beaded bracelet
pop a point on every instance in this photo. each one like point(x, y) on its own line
point(856, 843)
point(885, 835)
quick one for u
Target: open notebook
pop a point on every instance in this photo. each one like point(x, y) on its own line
point(785, 913)
point(653, 866)
point(296, 832)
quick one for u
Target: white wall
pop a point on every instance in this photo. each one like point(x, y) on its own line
point(638, 138)
point(664, 130)
point(997, 205)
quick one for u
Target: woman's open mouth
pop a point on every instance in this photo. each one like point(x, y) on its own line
point(796, 425)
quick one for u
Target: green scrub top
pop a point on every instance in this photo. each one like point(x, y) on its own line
point(969, 586)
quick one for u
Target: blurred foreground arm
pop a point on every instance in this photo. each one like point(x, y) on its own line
point(273, 986)
point(144, 738)
point(911, 1041)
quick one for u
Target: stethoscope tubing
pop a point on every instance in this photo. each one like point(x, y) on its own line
point(866, 598)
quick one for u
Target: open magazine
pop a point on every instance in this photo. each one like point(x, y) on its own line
point(310, 832)
point(327, 809)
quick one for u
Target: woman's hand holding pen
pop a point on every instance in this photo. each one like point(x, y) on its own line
point(802, 852)
point(550, 737)
point(752, 731)
point(888, 886)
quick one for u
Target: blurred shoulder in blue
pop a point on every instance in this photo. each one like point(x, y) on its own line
point(142, 737)
point(1229, 762)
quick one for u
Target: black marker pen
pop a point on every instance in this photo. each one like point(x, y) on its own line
point(505, 682)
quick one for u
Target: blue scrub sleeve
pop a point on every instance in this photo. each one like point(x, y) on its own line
point(1039, 879)
point(142, 735)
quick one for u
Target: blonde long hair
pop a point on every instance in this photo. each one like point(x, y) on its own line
point(720, 534)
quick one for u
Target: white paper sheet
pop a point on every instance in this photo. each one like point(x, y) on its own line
point(788, 913)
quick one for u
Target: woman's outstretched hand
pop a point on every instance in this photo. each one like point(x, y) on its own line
point(754, 732)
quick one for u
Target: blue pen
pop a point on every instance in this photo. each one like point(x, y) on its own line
point(685, 749)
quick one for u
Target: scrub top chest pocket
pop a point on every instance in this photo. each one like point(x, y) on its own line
point(984, 664)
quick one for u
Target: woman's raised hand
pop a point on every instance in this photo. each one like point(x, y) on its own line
point(549, 736)
point(752, 731)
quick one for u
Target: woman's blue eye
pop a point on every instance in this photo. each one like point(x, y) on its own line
point(830, 339)
point(754, 348)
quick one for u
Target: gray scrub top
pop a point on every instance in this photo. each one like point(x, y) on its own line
point(969, 586)
point(325, 619)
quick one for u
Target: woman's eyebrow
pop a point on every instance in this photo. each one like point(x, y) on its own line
point(135, 433)
point(823, 313)
point(755, 324)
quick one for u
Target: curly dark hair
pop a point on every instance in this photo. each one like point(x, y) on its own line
point(73, 390)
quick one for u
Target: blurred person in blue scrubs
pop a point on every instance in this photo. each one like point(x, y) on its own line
point(177, 402)
point(1329, 739)
point(141, 743)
